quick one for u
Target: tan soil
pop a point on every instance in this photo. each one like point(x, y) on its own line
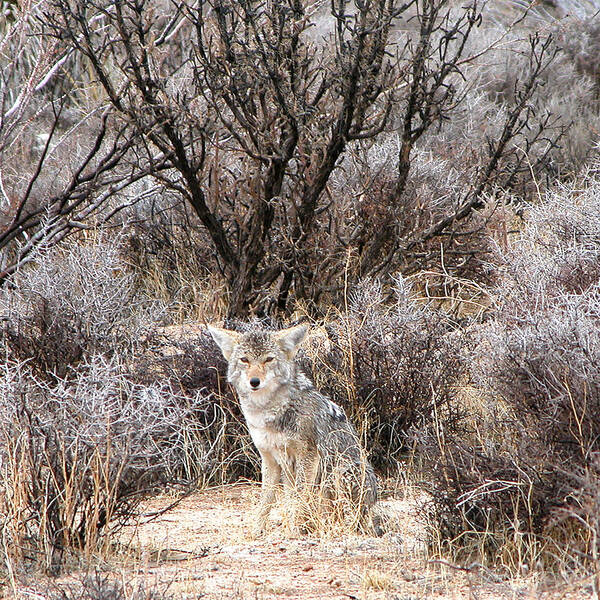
point(203, 548)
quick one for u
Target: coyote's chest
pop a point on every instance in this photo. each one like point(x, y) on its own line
point(268, 440)
point(266, 435)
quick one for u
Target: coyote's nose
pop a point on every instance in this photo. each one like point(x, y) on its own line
point(254, 382)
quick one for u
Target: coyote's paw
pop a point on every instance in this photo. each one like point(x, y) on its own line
point(256, 533)
point(258, 525)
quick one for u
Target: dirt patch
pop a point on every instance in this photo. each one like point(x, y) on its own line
point(203, 548)
point(213, 529)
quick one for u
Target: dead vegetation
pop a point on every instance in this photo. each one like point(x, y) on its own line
point(521, 476)
point(419, 181)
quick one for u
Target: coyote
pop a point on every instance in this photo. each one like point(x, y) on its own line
point(304, 439)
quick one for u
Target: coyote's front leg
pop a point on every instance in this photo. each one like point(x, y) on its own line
point(271, 476)
point(303, 486)
point(307, 468)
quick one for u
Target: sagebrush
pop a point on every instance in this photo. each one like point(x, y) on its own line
point(536, 358)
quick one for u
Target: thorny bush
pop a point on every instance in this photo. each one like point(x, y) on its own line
point(78, 455)
point(393, 363)
point(529, 461)
point(82, 438)
point(72, 304)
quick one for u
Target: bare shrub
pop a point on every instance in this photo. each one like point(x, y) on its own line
point(570, 84)
point(562, 115)
point(538, 357)
point(83, 436)
point(74, 303)
point(251, 130)
point(392, 362)
point(249, 134)
point(253, 103)
point(78, 455)
point(483, 150)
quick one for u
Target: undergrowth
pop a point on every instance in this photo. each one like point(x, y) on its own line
point(515, 485)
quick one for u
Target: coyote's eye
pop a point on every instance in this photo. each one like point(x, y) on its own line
point(244, 360)
point(269, 359)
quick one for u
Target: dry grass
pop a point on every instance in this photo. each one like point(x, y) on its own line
point(203, 548)
point(395, 364)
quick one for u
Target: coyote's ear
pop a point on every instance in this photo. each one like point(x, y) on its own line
point(289, 339)
point(226, 340)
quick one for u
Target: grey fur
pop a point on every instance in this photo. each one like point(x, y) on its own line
point(304, 438)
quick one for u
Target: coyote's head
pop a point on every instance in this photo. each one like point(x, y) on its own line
point(259, 360)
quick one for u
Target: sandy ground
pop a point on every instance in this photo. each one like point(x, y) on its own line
point(211, 533)
point(204, 548)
